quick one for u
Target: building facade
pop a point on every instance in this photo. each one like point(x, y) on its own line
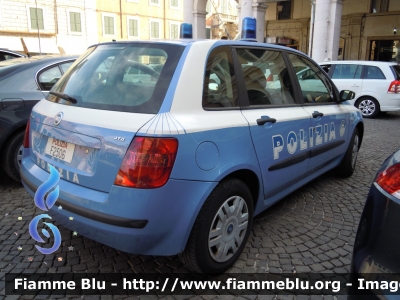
point(48, 26)
point(368, 28)
point(221, 19)
point(139, 19)
point(70, 26)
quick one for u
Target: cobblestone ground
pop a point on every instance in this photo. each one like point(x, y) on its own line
point(311, 230)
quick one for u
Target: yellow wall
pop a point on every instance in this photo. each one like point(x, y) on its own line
point(143, 12)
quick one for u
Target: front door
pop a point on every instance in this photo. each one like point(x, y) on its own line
point(278, 123)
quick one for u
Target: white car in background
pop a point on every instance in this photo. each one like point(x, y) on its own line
point(376, 84)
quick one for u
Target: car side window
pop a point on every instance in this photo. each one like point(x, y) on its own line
point(347, 71)
point(266, 77)
point(326, 68)
point(65, 66)
point(219, 90)
point(49, 77)
point(314, 85)
point(372, 72)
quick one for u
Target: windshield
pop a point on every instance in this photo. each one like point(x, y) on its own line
point(120, 77)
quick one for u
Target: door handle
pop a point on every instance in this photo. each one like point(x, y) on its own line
point(355, 85)
point(317, 114)
point(266, 120)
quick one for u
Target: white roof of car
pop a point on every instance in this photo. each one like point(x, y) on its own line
point(359, 62)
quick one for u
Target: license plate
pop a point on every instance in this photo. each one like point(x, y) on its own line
point(60, 149)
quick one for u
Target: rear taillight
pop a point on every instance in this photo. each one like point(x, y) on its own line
point(389, 180)
point(147, 163)
point(26, 136)
point(394, 87)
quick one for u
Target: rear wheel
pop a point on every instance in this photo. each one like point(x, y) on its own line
point(348, 164)
point(221, 229)
point(368, 106)
point(12, 156)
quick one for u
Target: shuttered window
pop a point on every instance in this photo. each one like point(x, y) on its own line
point(36, 18)
point(75, 21)
point(108, 25)
point(155, 30)
point(174, 31)
point(133, 27)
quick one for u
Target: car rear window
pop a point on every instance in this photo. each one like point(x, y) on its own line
point(121, 77)
point(396, 71)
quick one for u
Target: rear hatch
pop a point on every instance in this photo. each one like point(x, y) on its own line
point(86, 124)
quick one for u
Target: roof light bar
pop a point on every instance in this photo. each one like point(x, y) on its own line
point(249, 27)
point(186, 31)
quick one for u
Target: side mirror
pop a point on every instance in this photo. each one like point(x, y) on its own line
point(346, 95)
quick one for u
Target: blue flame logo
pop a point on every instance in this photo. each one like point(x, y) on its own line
point(50, 188)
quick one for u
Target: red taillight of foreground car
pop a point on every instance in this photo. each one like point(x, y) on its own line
point(26, 136)
point(147, 163)
point(394, 87)
point(389, 180)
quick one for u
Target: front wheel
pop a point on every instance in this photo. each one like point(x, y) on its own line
point(348, 164)
point(368, 106)
point(221, 229)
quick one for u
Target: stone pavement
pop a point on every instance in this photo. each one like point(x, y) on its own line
point(311, 230)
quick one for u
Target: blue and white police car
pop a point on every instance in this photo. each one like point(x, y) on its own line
point(167, 147)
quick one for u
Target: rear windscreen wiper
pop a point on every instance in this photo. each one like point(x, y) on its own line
point(65, 97)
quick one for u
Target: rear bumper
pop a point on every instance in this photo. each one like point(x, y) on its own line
point(138, 221)
point(390, 103)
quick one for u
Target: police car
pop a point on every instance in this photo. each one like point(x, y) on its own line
point(179, 158)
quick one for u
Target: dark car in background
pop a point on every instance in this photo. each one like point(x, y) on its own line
point(6, 54)
point(23, 82)
point(376, 254)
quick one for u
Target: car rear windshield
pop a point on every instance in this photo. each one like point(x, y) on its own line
point(120, 77)
point(396, 71)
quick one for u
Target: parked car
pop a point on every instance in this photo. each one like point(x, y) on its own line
point(6, 54)
point(182, 163)
point(376, 84)
point(377, 244)
point(23, 82)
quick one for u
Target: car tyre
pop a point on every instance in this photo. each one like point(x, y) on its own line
point(368, 106)
point(12, 156)
point(221, 229)
point(348, 164)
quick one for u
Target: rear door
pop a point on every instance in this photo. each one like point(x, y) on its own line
point(329, 120)
point(375, 84)
point(278, 123)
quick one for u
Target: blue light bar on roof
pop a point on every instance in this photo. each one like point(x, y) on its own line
point(186, 31)
point(249, 26)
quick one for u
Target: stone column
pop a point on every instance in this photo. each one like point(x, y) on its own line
point(328, 18)
point(199, 24)
point(259, 9)
point(245, 9)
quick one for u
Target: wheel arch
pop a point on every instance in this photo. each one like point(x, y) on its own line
point(250, 179)
point(10, 136)
point(360, 127)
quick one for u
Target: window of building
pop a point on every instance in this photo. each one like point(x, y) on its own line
point(379, 6)
point(108, 25)
point(284, 10)
point(154, 2)
point(75, 23)
point(36, 18)
point(154, 29)
point(174, 3)
point(133, 28)
point(174, 31)
point(224, 6)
